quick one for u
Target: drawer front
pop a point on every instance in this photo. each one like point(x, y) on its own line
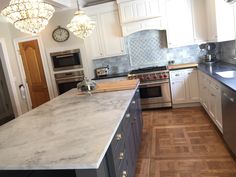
point(177, 74)
point(119, 156)
point(118, 139)
point(126, 123)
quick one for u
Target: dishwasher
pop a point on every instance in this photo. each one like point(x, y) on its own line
point(229, 117)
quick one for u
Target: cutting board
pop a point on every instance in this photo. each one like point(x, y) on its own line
point(113, 86)
point(182, 66)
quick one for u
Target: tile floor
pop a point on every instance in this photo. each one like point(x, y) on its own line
point(182, 143)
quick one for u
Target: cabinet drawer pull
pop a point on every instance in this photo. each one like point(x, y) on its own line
point(133, 102)
point(122, 156)
point(176, 74)
point(127, 116)
point(124, 174)
point(212, 95)
point(118, 136)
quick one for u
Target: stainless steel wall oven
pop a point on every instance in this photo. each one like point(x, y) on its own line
point(68, 81)
point(70, 59)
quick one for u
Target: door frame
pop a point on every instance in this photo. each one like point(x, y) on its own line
point(10, 80)
point(45, 64)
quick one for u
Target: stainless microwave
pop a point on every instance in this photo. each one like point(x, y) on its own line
point(66, 60)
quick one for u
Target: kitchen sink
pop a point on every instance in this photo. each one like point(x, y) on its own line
point(227, 74)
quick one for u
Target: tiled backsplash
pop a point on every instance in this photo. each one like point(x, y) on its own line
point(148, 48)
point(228, 51)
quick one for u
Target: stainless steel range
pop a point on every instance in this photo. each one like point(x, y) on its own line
point(154, 86)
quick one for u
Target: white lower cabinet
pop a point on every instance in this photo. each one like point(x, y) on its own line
point(210, 98)
point(184, 86)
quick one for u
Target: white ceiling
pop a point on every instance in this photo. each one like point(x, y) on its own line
point(62, 4)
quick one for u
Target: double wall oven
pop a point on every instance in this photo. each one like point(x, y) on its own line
point(154, 87)
point(68, 69)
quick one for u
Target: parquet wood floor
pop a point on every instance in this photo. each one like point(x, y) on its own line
point(182, 143)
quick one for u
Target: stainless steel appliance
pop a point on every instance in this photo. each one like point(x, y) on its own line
point(102, 72)
point(70, 59)
point(229, 119)
point(154, 86)
point(67, 81)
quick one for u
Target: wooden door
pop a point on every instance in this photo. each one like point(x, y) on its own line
point(34, 72)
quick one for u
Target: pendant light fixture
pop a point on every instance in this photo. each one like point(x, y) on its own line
point(81, 25)
point(29, 16)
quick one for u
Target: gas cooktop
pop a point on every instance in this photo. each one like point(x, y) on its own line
point(149, 69)
point(150, 74)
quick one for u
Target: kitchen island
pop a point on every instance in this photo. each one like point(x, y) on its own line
point(74, 135)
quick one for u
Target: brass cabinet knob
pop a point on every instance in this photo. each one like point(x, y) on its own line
point(127, 115)
point(124, 174)
point(118, 136)
point(122, 156)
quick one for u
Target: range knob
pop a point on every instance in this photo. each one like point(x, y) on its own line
point(147, 78)
point(161, 77)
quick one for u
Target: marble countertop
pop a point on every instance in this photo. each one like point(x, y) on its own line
point(212, 68)
point(69, 132)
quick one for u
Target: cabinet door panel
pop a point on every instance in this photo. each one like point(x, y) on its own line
point(127, 12)
point(225, 20)
point(111, 33)
point(93, 43)
point(179, 23)
point(193, 86)
point(178, 90)
point(199, 20)
point(153, 8)
point(212, 105)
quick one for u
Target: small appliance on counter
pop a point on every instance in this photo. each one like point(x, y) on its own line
point(210, 52)
point(102, 72)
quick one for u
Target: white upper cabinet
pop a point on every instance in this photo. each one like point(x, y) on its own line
point(111, 33)
point(180, 30)
point(221, 21)
point(139, 10)
point(138, 15)
point(199, 21)
point(106, 40)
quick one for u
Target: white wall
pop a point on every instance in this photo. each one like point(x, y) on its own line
point(6, 36)
point(62, 18)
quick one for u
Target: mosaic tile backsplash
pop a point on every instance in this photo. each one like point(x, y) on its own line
point(148, 48)
point(228, 51)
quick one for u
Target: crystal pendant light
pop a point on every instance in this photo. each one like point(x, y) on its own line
point(81, 25)
point(29, 16)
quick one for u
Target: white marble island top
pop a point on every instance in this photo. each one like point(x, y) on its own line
point(69, 132)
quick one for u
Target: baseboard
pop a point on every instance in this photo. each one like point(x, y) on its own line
point(186, 105)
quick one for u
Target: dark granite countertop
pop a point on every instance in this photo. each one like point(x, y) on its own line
point(112, 76)
point(212, 68)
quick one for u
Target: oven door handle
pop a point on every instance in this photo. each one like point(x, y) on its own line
point(64, 56)
point(67, 80)
point(145, 85)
